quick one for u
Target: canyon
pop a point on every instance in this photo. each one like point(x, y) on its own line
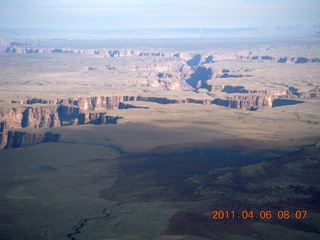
point(48, 113)
point(208, 77)
point(143, 139)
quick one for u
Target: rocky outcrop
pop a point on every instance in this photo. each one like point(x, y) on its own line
point(17, 139)
point(315, 92)
point(72, 107)
point(68, 115)
point(167, 73)
point(40, 117)
point(247, 102)
point(254, 102)
point(97, 118)
point(46, 116)
point(251, 99)
point(302, 93)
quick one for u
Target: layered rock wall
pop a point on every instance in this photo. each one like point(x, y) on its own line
point(18, 139)
point(247, 102)
point(38, 113)
point(46, 116)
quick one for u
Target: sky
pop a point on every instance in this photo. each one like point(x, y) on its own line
point(145, 14)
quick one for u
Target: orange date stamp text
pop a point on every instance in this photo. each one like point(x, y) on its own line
point(260, 214)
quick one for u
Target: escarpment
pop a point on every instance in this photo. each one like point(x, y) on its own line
point(17, 139)
point(192, 59)
point(28, 116)
point(49, 113)
point(247, 102)
point(225, 84)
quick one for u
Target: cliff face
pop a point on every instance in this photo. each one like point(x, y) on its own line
point(253, 99)
point(97, 118)
point(40, 117)
point(18, 139)
point(251, 103)
point(38, 113)
point(43, 116)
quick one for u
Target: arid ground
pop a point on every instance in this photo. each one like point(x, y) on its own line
point(196, 126)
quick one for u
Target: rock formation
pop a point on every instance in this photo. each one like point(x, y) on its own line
point(38, 113)
point(18, 139)
point(246, 102)
point(165, 70)
point(28, 116)
point(300, 93)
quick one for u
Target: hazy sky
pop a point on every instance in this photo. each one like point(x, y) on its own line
point(135, 14)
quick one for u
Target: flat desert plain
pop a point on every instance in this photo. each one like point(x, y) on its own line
point(164, 139)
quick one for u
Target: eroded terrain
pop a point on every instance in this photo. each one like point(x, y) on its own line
point(145, 142)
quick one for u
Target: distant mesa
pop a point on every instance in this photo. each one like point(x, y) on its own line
point(191, 60)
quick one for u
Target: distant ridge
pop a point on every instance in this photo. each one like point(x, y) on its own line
point(172, 33)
